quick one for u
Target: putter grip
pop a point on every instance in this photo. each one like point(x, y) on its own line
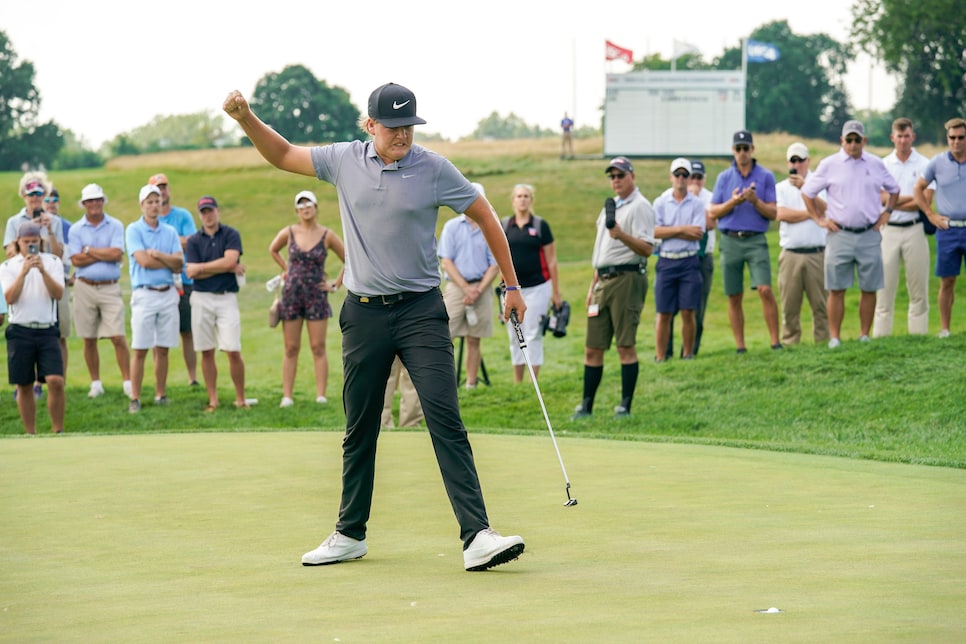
point(516, 328)
point(610, 213)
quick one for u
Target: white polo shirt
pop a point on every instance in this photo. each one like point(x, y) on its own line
point(34, 306)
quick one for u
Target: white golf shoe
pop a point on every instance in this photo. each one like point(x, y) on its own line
point(337, 547)
point(489, 549)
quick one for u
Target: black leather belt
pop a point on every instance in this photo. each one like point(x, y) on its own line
point(741, 234)
point(807, 250)
point(610, 271)
point(159, 289)
point(385, 300)
point(903, 224)
point(857, 231)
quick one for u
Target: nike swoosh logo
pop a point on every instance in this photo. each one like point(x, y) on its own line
point(408, 176)
point(397, 106)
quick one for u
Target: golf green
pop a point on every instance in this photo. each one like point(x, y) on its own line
point(198, 537)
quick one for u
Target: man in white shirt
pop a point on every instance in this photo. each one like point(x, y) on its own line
point(801, 263)
point(903, 238)
point(32, 283)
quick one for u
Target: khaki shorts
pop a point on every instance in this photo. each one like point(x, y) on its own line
point(98, 310)
point(458, 325)
point(620, 300)
point(215, 321)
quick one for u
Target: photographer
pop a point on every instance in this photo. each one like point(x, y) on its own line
point(32, 283)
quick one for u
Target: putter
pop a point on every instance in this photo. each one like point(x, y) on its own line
point(571, 501)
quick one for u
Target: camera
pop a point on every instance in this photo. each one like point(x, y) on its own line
point(610, 213)
point(32, 249)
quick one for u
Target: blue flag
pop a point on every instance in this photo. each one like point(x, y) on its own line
point(761, 52)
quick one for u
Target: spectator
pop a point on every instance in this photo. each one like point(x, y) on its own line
point(801, 263)
point(410, 411)
point(680, 222)
point(155, 257)
point(469, 269)
point(903, 238)
point(305, 294)
point(566, 137)
point(617, 290)
point(97, 251)
point(212, 256)
point(181, 220)
point(32, 282)
point(853, 178)
point(744, 205)
point(64, 321)
point(949, 217)
point(535, 262)
point(394, 306)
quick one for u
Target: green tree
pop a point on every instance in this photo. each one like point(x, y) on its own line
point(305, 109)
point(511, 126)
point(75, 154)
point(25, 141)
point(803, 91)
point(924, 43)
point(196, 131)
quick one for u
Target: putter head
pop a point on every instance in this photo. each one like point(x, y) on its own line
point(570, 502)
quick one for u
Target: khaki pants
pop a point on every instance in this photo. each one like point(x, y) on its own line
point(903, 245)
point(410, 411)
point(802, 274)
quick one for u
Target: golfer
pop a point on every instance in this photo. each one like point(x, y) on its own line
point(390, 192)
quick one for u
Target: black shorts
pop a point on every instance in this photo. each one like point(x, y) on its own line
point(184, 310)
point(33, 354)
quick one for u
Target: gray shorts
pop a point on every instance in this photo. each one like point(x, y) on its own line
point(846, 253)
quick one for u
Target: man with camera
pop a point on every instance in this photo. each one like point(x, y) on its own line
point(801, 263)
point(32, 283)
point(33, 187)
point(615, 299)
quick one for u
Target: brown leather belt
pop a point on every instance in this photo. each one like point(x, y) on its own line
point(96, 282)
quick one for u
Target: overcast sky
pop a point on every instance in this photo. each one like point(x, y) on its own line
point(107, 66)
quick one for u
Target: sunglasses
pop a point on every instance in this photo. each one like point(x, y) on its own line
point(35, 193)
point(52, 200)
point(617, 175)
point(682, 174)
point(742, 148)
point(697, 177)
point(956, 137)
point(797, 160)
point(853, 139)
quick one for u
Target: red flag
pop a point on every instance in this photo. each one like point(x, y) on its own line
point(613, 52)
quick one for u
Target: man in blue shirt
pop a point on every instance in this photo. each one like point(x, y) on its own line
point(182, 221)
point(744, 206)
point(949, 171)
point(390, 191)
point(155, 255)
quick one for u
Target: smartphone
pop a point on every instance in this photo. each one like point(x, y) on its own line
point(38, 212)
point(793, 171)
point(32, 249)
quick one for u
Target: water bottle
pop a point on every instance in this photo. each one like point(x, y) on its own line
point(471, 318)
point(273, 283)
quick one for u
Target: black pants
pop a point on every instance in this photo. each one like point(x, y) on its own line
point(417, 329)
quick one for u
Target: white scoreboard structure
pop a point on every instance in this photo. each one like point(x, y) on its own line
point(671, 114)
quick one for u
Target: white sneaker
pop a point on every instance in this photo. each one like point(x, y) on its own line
point(864, 338)
point(944, 333)
point(286, 402)
point(322, 400)
point(97, 389)
point(489, 549)
point(126, 386)
point(337, 547)
point(834, 343)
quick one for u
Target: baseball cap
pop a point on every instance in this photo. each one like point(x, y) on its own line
point(796, 150)
point(697, 167)
point(742, 136)
point(306, 194)
point(91, 191)
point(158, 179)
point(621, 163)
point(148, 190)
point(207, 202)
point(34, 188)
point(681, 164)
point(394, 106)
point(853, 127)
point(28, 229)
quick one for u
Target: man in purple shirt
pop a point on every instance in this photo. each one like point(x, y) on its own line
point(744, 206)
point(854, 180)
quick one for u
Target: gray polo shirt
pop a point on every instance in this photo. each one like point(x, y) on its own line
point(950, 178)
point(389, 213)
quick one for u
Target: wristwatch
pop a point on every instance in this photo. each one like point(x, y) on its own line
point(86, 250)
point(889, 210)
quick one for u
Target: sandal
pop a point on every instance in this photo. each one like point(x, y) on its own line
point(210, 408)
